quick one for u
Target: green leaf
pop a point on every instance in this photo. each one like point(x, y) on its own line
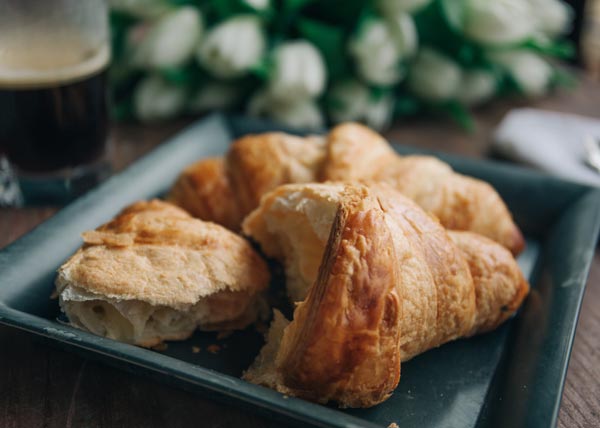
point(562, 49)
point(262, 69)
point(406, 106)
point(181, 76)
point(226, 8)
point(295, 5)
point(119, 25)
point(330, 41)
point(460, 114)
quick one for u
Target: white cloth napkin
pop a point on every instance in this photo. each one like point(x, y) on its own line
point(550, 141)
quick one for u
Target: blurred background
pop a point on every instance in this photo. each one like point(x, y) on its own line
point(306, 63)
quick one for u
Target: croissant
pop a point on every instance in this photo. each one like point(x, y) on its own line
point(256, 164)
point(390, 284)
point(226, 190)
point(355, 152)
point(154, 273)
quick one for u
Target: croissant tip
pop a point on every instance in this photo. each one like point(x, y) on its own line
point(517, 244)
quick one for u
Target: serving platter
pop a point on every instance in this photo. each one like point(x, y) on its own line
point(510, 377)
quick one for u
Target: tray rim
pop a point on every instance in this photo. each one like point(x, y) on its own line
point(263, 399)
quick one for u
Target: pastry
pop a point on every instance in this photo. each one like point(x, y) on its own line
point(256, 164)
point(204, 191)
point(224, 190)
point(390, 284)
point(154, 273)
point(355, 152)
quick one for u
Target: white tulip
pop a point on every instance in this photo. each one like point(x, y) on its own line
point(404, 31)
point(433, 76)
point(529, 70)
point(257, 4)
point(376, 53)
point(380, 113)
point(300, 113)
point(499, 22)
point(233, 47)
point(299, 72)
point(553, 16)
point(392, 7)
point(215, 96)
point(348, 101)
point(352, 101)
point(155, 99)
point(169, 42)
point(145, 9)
point(476, 87)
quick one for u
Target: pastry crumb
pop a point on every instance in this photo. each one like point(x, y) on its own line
point(195, 349)
point(160, 347)
point(393, 425)
point(213, 349)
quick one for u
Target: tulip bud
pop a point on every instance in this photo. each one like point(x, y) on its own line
point(380, 112)
point(404, 31)
point(348, 101)
point(433, 76)
point(169, 42)
point(476, 87)
point(499, 22)
point(302, 113)
point(155, 99)
point(530, 71)
point(393, 7)
point(376, 53)
point(233, 47)
point(257, 4)
point(298, 72)
point(553, 16)
point(352, 101)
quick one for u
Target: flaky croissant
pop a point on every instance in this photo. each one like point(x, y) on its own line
point(256, 164)
point(390, 284)
point(155, 273)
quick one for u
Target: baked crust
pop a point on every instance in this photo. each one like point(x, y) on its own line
point(348, 336)
point(157, 256)
point(203, 189)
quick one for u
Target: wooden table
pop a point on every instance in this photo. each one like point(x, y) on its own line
point(44, 387)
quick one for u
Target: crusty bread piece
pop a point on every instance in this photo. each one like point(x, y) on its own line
point(391, 283)
point(154, 273)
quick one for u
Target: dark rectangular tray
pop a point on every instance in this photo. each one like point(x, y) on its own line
point(511, 377)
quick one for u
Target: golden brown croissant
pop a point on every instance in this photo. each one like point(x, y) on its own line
point(226, 190)
point(355, 152)
point(258, 163)
point(154, 273)
point(203, 190)
point(391, 284)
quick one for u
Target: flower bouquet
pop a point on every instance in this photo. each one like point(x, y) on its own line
point(305, 62)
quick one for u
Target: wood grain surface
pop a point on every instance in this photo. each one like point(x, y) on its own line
point(41, 386)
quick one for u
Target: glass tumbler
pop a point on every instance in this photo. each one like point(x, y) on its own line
point(54, 57)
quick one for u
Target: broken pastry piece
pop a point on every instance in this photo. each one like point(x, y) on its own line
point(390, 284)
point(154, 273)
